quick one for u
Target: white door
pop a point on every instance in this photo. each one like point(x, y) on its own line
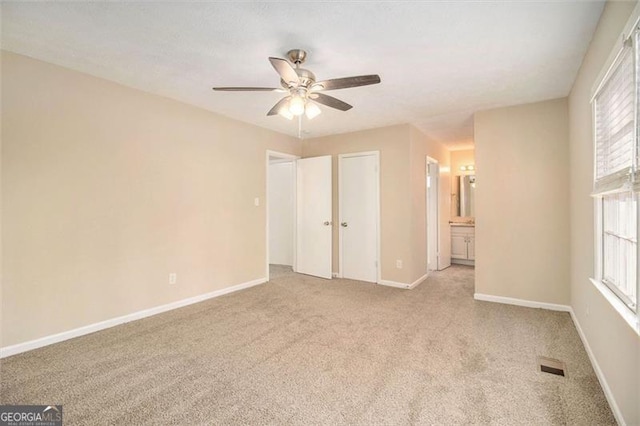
point(359, 216)
point(432, 214)
point(313, 216)
point(444, 213)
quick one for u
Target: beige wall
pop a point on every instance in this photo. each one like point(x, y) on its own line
point(522, 193)
point(106, 190)
point(110, 189)
point(615, 345)
point(403, 150)
point(462, 158)
point(1, 197)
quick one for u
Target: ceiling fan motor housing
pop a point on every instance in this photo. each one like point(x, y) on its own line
point(297, 56)
point(307, 78)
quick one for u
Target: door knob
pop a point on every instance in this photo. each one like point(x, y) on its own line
point(343, 224)
point(327, 223)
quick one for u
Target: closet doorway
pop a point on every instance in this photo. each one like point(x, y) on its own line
point(281, 213)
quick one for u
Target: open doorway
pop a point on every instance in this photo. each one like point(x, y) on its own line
point(281, 214)
point(433, 250)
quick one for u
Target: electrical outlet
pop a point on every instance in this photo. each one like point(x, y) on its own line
point(256, 201)
point(399, 264)
point(173, 278)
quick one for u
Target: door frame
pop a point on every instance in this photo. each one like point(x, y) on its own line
point(285, 157)
point(435, 185)
point(375, 154)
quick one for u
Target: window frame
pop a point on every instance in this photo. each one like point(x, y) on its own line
point(631, 305)
point(628, 309)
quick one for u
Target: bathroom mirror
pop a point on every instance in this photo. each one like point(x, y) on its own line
point(463, 197)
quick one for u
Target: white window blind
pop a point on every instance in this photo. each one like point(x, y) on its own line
point(615, 134)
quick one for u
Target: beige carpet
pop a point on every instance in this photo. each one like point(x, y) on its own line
point(301, 350)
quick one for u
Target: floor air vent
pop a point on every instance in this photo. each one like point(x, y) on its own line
point(551, 366)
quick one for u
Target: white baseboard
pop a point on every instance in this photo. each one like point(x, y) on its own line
point(91, 328)
point(596, 367)
point(403, 285)
point(394, 284)
point(463, 262)
point(521, 302)
point(418, 281)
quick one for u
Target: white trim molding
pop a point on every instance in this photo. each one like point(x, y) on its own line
point(404, 285)
point(521, 302)
point(92, 328)
point(463, 262)
point(599, 374)
point(632, 319)
point(394, 284)
point(418, 281)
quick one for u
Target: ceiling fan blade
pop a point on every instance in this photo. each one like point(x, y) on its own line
point(247, 89)
point(276, 108)
point(286, 71)
point(346, 82)
point(330, 101)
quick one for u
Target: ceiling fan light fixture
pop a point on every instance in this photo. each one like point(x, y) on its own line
point(296, 105)
point(284, 112)
point(312, 110)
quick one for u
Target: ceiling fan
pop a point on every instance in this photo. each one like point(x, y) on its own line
point(304, 92)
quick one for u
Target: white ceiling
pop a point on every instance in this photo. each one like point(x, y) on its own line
point(439, 61)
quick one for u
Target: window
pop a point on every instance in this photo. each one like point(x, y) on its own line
point(619, 245)
point(615, 110)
